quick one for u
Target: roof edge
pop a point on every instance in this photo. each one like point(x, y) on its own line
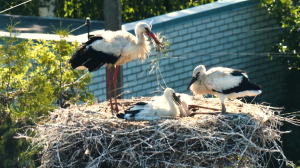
point(186, 15)
point(48, 18)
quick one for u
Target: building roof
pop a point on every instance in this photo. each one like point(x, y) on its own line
point(37, 27)
point(43, 25)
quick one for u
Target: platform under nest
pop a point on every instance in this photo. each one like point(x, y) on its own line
point(89, 136)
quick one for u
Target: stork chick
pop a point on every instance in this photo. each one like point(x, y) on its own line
point(154, 110)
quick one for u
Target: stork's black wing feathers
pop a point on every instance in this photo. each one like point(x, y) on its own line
point(93, 38)
point(121, 116)
point(132, 112)
point(83, 46)
point(141, 103)
point(138, 104)
point(237, 72)
point(245, 85)
point(91, 58)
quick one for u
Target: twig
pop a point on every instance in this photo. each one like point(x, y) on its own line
point(204, 113)
point(197, 106)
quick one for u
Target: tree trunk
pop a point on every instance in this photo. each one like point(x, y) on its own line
point(113, 21)
point(46, 8)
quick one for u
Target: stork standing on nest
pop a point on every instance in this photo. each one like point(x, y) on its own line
point(224, 82)
point(113, 48)
point(156, 109)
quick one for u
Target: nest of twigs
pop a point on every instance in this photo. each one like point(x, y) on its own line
point(89, 136)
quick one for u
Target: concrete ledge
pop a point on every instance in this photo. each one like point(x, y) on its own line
point(186, 15)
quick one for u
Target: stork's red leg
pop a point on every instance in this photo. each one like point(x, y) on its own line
point(108, 88)
point(115, 87)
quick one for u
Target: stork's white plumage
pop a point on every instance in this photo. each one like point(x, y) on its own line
point(185, 100)
point(113, 48)
point(224, 82)
point(156, 109)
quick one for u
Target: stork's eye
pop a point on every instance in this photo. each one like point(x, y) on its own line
point(147, 29)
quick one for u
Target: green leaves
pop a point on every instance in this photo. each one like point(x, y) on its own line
point(34, 79)
point(288, 16)
point(132, 10)
point(29, 9)
point(283, 11)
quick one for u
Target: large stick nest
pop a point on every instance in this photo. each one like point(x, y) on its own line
point(89, 136)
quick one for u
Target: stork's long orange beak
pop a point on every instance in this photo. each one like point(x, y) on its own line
point(150, 34)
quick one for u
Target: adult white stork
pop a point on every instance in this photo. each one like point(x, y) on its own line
point(113, 48)
point(224, 82)
point(154, 110)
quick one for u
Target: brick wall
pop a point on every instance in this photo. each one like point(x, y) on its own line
point(228, 33)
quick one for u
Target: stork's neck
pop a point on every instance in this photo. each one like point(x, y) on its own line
point(172, 105)
point(203, 74)
point(140, 38)
point(204, 71)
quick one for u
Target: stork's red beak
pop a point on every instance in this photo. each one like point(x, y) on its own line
point(150, 34)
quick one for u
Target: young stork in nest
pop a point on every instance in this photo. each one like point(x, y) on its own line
point(155, 109)
point(183, 104)
point(224, 82)
point(113, 48)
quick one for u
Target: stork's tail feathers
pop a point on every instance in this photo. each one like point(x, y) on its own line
point(252, 86)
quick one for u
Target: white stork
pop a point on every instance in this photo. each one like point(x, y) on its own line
point(156, 109)
point(182, 101)
point(113, 48)
point(224, 82)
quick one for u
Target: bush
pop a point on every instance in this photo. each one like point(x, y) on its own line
point(34, 80)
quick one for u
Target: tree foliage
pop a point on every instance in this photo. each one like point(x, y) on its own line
point(29, 9)
point(34, 79)
point(288, 46)
point(132, 10)
point(288, 16)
